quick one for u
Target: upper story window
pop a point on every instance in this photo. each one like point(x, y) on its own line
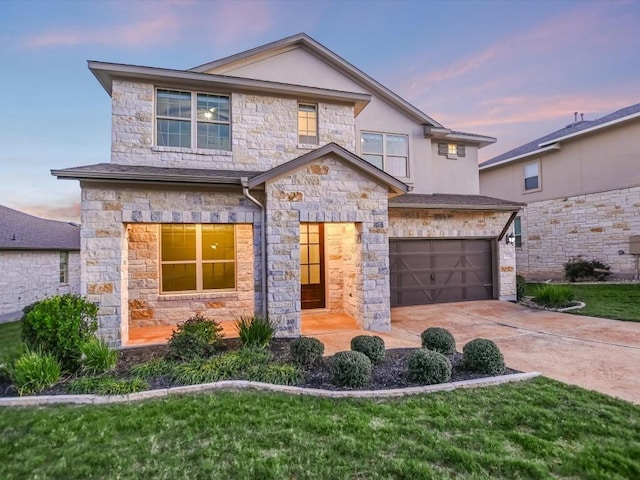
point(517, 231)
point(387, 151)
point(531, 173)
point(307, 123)
point(451, 150)
point(64, 267)
point(177, 112)
point(196, 258)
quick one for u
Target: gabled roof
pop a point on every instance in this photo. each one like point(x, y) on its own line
point(453, 202)
point(112, 172)
point(339, 63)
point(553, 140)
point(342, 154)
point(20, 231)
point(106, 72)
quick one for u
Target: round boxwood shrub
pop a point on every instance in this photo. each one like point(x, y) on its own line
point(482, 355)
point(428, 367)
point(195, 338)
point(371, 345)
point(306, 351)
point(439, 340)
point(350, 369)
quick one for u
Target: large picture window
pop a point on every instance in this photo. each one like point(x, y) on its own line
point(176, 115)
point(386, 151)
point(197, 258)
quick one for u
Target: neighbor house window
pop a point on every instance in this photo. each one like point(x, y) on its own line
point(517, 231)
point(531, 173)
point(451, 150)
point(307, 123)
point(196, 258)
point(64, 267)
point(177, 112)
point(388, 152)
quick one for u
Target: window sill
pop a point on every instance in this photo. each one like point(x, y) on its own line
point(229, 294)
point(307, 146)
point(195, 151)
point(533, 190)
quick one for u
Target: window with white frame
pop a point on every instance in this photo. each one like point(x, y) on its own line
point(307, 123)
point(197, 257)
point(517, 231)
point(452, 150)
point(178, 111)
point(64, 267)
point(387, 151)
point(531, 174)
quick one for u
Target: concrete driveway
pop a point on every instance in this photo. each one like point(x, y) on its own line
point(594, 353)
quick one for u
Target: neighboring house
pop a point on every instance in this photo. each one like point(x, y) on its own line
point(38, 258)
point(581, 185)
point(275, 181)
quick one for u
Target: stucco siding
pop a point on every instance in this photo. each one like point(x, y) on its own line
point(29, 276)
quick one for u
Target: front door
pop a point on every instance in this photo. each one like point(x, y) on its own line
point(312, 265)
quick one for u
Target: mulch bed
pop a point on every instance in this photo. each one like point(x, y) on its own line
point(390, 373)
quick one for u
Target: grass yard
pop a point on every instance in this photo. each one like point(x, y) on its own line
point(9, 336)
point(538, 429)
point(617, 301)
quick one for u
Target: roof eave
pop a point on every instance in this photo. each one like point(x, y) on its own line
point(146, 178)
point(446, 134)
point(555, 146)
point(592, 129)
point(444, 206)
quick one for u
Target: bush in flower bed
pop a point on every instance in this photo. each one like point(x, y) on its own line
point(255, 331)
point(350, 369)
point(553, 296)
point(197, 337)
point(428, 367)
point(439, 340)
point(306, 351)
point(484, 356)
point(32, 371)
point(97, 357)
point(371, 345)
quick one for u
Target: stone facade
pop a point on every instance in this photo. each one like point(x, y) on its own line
point(411, 223)
point(328, 191)
point(29, 276)
point(111, 213)
point(592, 226)
point(263, 132)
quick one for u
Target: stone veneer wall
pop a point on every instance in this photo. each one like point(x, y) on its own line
point(340, 247)
point(327, 191)
point(147, 307)
point(411, 223)
point(30, 275)
point(594, 226)
point(106, 212)
point(263, 132)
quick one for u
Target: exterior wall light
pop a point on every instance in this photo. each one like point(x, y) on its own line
point(510, 239)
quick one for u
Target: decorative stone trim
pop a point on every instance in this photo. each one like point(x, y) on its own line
point(265, 387)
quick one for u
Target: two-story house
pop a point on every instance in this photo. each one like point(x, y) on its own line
point(278, 181)
point(581, 185)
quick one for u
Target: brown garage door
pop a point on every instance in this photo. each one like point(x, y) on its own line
point(437, 271)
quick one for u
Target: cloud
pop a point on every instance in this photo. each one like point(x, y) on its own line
point(169, 22)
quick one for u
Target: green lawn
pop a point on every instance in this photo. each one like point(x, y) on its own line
point(9, 336)
point(621, 301)
point(539, 429)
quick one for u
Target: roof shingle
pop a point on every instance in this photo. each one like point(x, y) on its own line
point(20, 231)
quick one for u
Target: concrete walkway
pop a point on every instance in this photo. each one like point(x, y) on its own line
point(593, 353)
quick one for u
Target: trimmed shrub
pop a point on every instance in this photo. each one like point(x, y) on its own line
point(306, 351)
point(350, 369)
point(371, 345)
point(106, 385)
point(521, 287)
point(60, 325)
point(255, 331)
point(428, 367)
point(439, 340)
point(553, 296)
point(33, 371)
point(482, 355)
point(577, 269)
point(97, 357)
point(194, 338)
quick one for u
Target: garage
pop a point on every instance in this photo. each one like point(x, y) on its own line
point(425, 271)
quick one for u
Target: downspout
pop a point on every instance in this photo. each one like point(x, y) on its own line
point(263, 241)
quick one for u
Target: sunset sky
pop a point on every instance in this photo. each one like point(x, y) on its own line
point(514, 70)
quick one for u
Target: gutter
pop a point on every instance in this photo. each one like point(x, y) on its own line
point(426, 206)
point(263, 240)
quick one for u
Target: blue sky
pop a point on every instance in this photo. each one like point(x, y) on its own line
point(510, 69)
